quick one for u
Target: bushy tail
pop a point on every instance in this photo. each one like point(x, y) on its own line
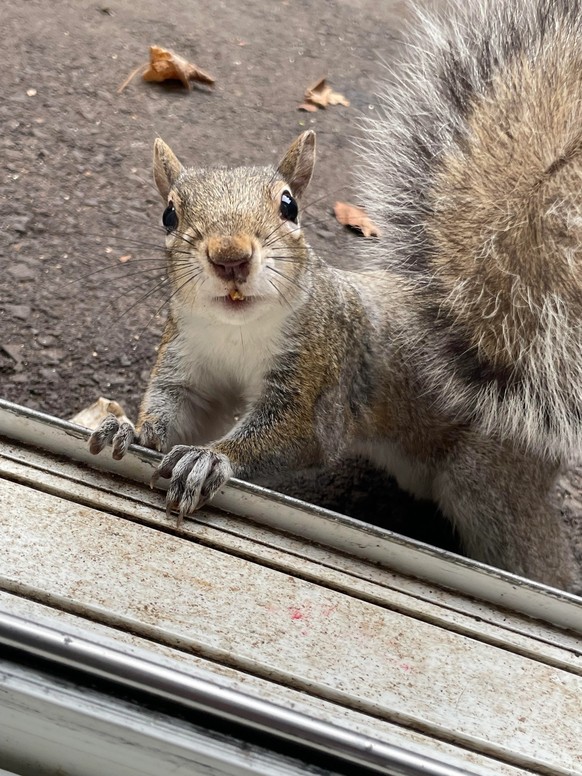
point(474, 169)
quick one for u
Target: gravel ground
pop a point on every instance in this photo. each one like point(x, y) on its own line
point(80, 315)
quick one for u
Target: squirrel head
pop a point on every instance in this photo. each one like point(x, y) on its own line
point(234, 241)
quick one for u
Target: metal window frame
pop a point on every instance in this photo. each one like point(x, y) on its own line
point(63, 650)
point(339, 532)
point(137, 673)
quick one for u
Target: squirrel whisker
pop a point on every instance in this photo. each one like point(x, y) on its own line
point(286, 277)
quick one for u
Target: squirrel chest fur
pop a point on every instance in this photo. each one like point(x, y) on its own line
point(224, 368)
point(454, 357)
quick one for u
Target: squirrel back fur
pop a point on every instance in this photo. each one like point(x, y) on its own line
point(473, 170)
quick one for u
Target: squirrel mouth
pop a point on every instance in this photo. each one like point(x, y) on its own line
point(236, 299)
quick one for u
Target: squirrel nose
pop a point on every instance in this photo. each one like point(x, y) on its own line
point(230, 256)
point(231, 270)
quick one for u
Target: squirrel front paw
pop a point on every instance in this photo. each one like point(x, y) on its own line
point(195, 473)
point(121, 435)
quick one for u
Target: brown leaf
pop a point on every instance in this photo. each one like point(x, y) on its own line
point(320, 94)
point(165, 65)
point(91, 416)
point(356, 218)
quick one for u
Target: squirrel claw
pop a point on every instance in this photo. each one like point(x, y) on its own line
point(196, 473)
point(180, 520)
point(121, 435)
point(124, 437)
point(103, 434)
point(111, 432)
point(172, 507)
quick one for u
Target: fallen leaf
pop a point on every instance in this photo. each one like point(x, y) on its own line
point(307, 106)
point(125, 258)
point(356, 218)
point(165, 65)
point(91, 416)
point(320, 95)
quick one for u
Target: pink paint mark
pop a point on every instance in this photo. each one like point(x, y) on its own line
point(296, 614)
point(405, 667)
point(327, 611)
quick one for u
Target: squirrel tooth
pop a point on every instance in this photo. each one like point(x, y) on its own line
point(236, 295)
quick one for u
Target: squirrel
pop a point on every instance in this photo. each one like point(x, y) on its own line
point(452, 357)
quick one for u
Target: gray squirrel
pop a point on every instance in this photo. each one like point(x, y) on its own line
point(454, 359)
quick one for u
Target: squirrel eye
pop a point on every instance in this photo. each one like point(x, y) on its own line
point(288, 208)
point(170, 218)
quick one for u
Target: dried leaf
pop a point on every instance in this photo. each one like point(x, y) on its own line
point(91, 417)
point(307, 106)
point(165, 65)
point(320, 95)
point(356, 218)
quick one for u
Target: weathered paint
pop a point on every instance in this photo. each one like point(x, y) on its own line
point(233, 678)
point(213, 527)
point(393, 656)
point(285, 629)
point(312, 523)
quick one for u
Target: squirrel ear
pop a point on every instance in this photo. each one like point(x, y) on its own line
point(297, 165)
point(167, 168)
